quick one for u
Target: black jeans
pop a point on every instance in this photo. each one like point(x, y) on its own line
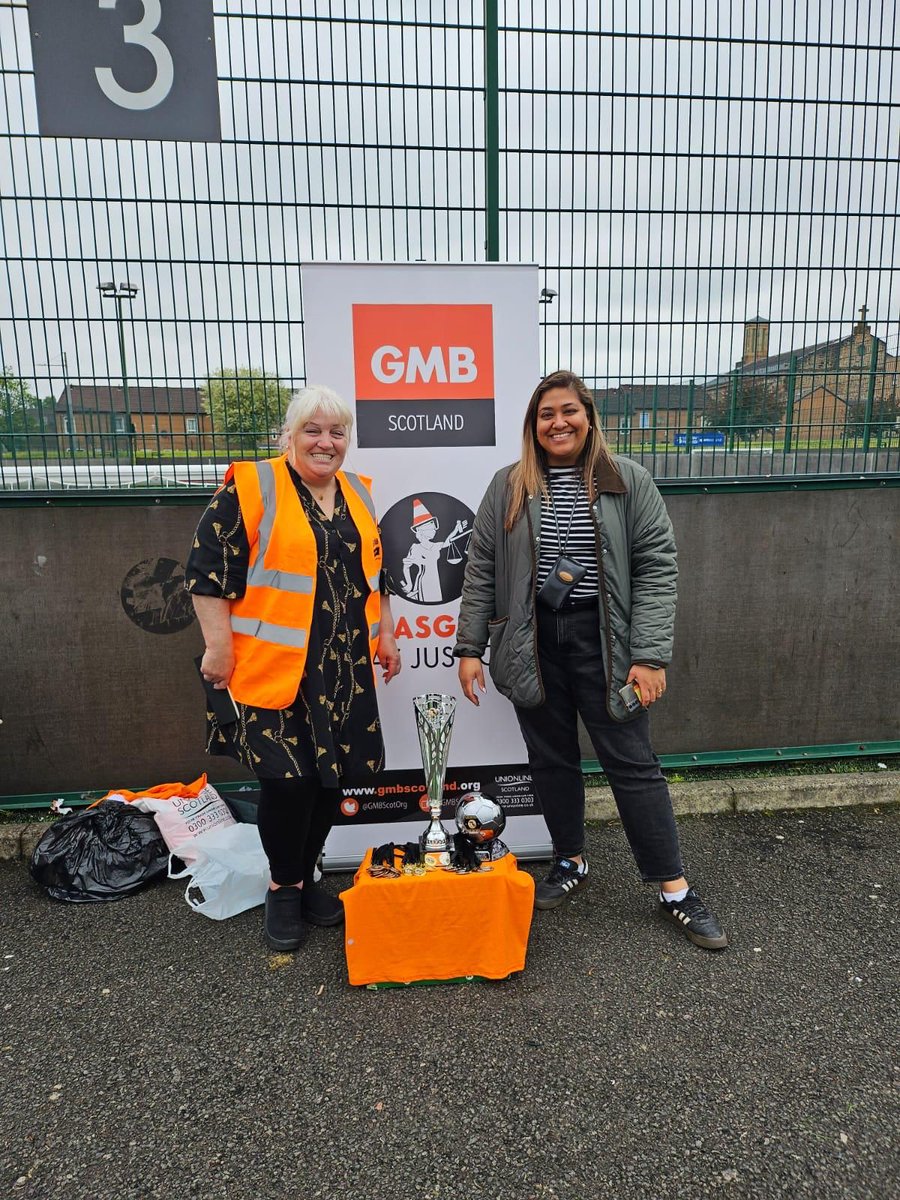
point(574, 678)
point(295, 818)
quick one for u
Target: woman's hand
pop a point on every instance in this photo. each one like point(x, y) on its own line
point(650, 680)
point(214, 615)
point(217, 666)
point(471, 674)
point(388, 656)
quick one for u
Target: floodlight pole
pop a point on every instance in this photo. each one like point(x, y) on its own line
point(124, 291)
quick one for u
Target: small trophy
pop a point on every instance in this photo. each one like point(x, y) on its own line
point(434, 724)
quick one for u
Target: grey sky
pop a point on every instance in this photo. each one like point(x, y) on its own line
point(679, 178)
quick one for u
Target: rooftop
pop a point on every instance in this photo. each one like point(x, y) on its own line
point(154, 399)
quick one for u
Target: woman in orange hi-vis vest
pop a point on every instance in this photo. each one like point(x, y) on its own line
point(285, 575)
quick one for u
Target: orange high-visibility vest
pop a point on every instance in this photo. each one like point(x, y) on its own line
point(270, 623)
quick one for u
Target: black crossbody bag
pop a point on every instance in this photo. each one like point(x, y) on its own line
point(566, 573)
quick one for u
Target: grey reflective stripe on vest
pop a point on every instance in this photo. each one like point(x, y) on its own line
point(374, 630)
point(374, 581)
point(265, 631)
point(258, 575)
point(362, 491)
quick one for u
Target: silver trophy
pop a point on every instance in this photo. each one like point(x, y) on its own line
point(434, 724)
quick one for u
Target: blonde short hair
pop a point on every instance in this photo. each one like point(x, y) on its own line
point(307, 402)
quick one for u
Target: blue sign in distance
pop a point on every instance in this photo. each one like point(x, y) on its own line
point(125, 69)
point(712, 438)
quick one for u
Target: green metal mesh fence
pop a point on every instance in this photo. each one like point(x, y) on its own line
point(711, 193)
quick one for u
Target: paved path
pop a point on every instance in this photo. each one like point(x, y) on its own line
point(148, 1052)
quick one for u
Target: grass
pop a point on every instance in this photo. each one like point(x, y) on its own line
point(18, 816)
point(820, 766)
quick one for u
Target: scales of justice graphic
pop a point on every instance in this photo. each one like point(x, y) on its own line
point(421, 576)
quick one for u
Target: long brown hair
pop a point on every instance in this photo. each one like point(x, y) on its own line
point(529, 475)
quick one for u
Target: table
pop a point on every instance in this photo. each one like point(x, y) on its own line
point(439, 925)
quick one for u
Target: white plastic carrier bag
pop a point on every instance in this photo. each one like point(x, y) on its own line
point(182, 811)
point(227, 869)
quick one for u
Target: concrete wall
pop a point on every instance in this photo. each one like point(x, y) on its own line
point(787, 628)
point(787, 635)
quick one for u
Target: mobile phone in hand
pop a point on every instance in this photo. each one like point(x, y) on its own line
point(630, 695)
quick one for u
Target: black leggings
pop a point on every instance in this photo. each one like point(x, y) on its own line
point(295, 817)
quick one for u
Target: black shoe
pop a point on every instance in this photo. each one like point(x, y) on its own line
point(695, 920)
point(564, 878)
point(320, 907)
point(282, 926)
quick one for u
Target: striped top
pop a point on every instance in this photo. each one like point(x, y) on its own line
point(581, 542)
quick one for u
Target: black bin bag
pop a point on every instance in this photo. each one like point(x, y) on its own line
point(243, 806)
point(103, 853)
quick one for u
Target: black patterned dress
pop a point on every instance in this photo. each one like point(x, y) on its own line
point(332, 730)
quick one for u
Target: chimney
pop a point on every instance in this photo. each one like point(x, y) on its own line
point(756, 340)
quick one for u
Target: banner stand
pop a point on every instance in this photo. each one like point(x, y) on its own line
point(437, 363)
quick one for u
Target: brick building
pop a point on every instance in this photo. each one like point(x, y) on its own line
point(631, 412)
point(165, 420)
point(826, 380)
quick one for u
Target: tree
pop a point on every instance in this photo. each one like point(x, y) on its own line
point(745, 405)
point(247, 404)
point(883, 418)
point(26, 423)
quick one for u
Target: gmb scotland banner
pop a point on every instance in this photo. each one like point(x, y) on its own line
point(437, 362)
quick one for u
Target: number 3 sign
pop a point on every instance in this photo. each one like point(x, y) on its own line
point(125, 69)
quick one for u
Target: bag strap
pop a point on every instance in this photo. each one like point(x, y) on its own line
point(188, 870)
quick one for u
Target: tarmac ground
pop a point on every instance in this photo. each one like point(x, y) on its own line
point(147, 1051)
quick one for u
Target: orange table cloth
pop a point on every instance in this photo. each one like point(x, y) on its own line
point(439, 925)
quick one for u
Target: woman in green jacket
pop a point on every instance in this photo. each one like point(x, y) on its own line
point(571, 582)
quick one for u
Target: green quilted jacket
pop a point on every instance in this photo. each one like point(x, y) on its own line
point(638, 578)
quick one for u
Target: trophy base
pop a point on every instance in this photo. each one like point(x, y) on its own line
point(492, 851)
point(436, 858)
point(435, 852)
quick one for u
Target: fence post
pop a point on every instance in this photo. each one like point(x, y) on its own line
point(870, 398)
point(604, 418)
point(690, 418)
point(492, 130)
point(70, 415)
point(732, 409)
point(9, 420)
point(43, 428)
point(789, 407)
